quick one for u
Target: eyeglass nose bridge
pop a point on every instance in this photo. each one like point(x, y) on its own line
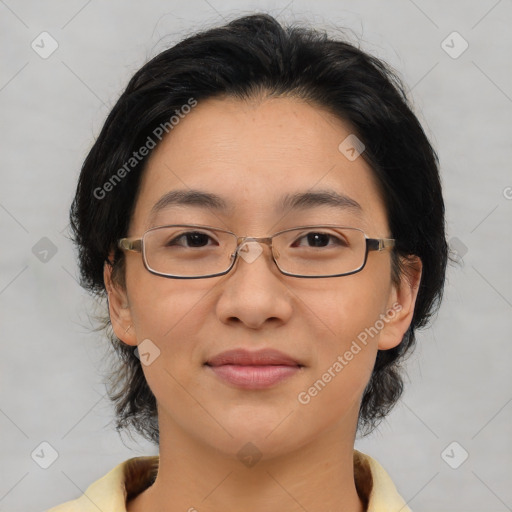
point(241, 242)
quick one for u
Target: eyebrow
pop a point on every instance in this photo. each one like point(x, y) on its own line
point(297, 201)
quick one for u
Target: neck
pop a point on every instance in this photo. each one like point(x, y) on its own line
point(192, 476)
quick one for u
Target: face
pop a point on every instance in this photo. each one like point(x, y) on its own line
point(251, 154)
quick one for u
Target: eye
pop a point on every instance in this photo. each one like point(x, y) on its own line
point(319, 239)
point(191, 239)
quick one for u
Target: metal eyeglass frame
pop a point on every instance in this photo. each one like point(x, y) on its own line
point(136, 244)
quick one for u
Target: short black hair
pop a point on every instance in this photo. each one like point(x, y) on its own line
point(246, 57)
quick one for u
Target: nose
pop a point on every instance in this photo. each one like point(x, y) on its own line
point(254, 292)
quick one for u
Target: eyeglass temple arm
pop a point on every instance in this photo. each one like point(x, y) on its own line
point(379, 244)
point(130, 244)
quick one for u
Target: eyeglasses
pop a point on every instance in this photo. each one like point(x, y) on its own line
point(187, 251)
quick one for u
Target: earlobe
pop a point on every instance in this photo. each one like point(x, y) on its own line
point(401, 308)
point(119, 309)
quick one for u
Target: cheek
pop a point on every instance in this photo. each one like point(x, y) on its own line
point(345, 316)
point(344, 322)
point(346, 338)
point(166, 310)
point(169, 312)
point(343, 308)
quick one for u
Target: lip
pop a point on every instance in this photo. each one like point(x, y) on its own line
point(243, 357)
point(253, 369)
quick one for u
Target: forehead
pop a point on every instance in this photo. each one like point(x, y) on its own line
point(256, 159)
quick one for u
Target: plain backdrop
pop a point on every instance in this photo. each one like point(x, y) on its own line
point(448, 444)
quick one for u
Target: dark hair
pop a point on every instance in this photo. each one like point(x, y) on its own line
point(246, 57)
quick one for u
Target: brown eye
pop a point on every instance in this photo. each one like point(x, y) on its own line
point(192, 239)
point(318, 239)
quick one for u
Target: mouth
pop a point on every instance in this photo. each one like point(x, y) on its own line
point(253, 369)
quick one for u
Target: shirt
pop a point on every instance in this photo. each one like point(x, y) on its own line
point(111, 492)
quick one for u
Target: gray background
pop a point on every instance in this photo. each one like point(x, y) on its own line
point(459, 385)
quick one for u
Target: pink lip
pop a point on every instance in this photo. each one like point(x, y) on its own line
point(253, 370)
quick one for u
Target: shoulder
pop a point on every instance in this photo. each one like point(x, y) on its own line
point(111, 491)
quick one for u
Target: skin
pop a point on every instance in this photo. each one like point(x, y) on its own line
point(250, 153)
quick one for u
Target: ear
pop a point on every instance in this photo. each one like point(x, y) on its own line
point(118, 306)
point(401, 305)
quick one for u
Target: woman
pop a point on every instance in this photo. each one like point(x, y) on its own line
point(264, 212)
